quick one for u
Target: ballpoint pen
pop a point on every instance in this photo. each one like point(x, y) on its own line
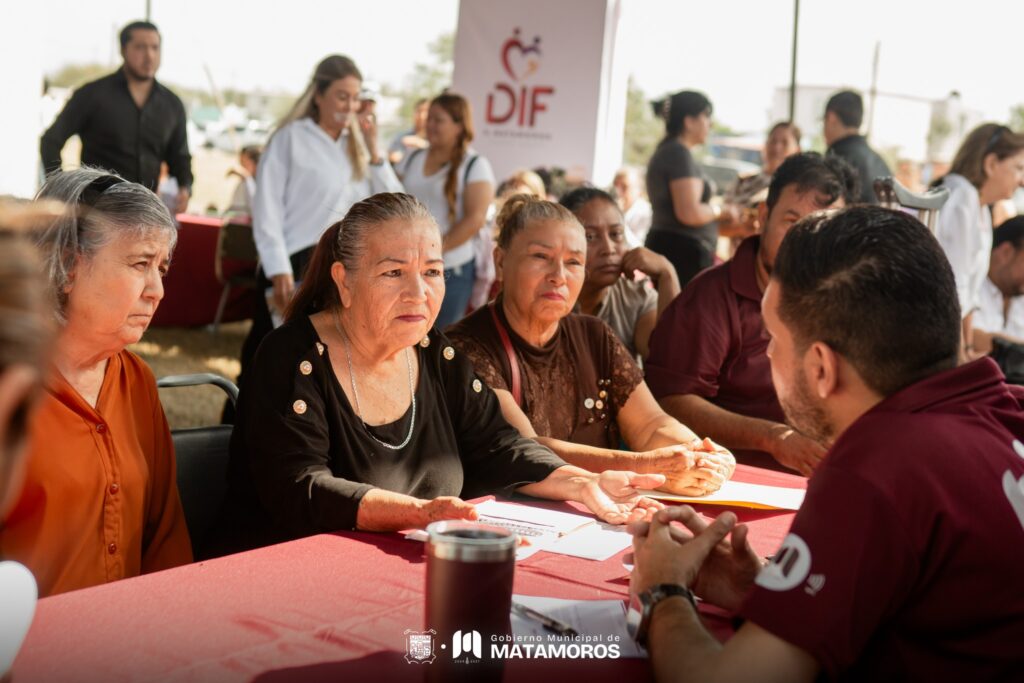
point(554, 625)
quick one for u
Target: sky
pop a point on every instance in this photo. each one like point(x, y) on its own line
point(737, 51)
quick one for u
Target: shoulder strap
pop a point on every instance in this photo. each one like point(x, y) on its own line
point(513, 362)
point(407, 161)
point(469, 167)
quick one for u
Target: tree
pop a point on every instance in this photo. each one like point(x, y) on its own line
point(74, 75)
point(643, 129)
point(428, 80)
point(1017, 118)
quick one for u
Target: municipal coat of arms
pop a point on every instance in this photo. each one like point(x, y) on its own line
point(419, 646)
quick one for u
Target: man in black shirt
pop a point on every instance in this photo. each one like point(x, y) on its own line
point(127, 121)
point(844, 113)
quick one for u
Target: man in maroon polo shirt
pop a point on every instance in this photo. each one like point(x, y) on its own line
point(707, 365)
point(905, 561)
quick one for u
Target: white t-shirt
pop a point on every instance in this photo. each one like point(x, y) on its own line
point(430, 191)
point(638, 220)
point(304, 184)
point(964, 230)
point(989, 316)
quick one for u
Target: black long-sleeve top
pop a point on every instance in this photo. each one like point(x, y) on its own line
point(301, 459)
point(120, 136)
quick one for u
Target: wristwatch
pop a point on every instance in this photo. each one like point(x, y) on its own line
point(641, 607)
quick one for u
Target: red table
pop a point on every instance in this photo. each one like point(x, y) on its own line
point(191, 288)
point(326, 608)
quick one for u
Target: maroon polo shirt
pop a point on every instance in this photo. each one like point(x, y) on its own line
point(710, 341)
point(906, 561)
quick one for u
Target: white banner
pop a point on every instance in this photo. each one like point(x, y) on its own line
point(544, 84)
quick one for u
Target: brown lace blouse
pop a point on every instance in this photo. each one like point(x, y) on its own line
point(572, 388)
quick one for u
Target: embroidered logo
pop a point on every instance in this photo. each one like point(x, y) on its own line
point(1013, 487)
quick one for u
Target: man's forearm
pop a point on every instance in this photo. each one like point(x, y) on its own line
point(730, 429)
point(681, 649)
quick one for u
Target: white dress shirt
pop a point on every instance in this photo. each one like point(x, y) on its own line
point(964, 230)
point(989, 316)
point(304, 185)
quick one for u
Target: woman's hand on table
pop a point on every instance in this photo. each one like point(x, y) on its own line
point(719, 571)
point(695, 469)
point(613, 496)
point(446, 507)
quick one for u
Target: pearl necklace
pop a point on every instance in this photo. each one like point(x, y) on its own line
point(355, 391)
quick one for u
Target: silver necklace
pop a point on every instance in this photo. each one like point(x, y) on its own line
point(355, 392)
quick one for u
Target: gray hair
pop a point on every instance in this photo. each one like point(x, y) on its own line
point(345, 243)
point(97, 214)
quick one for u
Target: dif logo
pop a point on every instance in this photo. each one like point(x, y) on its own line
point(468, 643)
point(518, 100)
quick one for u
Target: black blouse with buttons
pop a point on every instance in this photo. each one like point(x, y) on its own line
point(301, 459)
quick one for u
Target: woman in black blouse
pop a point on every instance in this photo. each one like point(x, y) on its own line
point(684, 224)
point(358, 416)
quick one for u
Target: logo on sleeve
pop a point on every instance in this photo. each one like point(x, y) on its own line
point(789, 567)
point(1013, 487)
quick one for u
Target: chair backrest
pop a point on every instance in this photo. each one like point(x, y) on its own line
point(202, 455)
point(235, 243)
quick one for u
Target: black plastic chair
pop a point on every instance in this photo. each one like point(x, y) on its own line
point(202, 459)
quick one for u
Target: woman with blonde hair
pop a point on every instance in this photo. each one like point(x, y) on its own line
point(457, 185)
point(322, 158)
point(988, 167)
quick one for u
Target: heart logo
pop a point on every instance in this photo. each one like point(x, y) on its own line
point(18, 595)
point(520, 61)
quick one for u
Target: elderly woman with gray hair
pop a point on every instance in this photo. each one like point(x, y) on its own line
point(99, 501)
point(358, 415)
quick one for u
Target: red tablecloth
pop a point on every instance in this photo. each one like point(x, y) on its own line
point(191, 288)
point(325, 608)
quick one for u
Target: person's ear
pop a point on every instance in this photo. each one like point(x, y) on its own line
point(499, 262)
point(762, 215)
point(342, 281)
point(18, 390)
point(989, 163)
point(821, 364)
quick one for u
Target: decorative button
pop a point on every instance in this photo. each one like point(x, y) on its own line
point(602, 393)
point(299, 407)
point(305, 367)
point(478, 386)
point(112, 548)
point(114, 488)
point(449, 353)
point(101, 428)
point(320, 348)
point(588, 403)
point(425, 342)
point(599, 404)
point(604, 415)
point(590, 420)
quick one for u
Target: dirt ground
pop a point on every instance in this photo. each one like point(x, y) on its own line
point(180, 351)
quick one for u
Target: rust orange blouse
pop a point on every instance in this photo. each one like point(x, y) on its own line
point(100, 500)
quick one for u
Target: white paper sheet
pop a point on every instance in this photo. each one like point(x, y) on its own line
point(594, 542)
point(744, 495)
point(603, 618)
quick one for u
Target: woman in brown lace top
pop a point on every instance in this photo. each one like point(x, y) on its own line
point(564, 378)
